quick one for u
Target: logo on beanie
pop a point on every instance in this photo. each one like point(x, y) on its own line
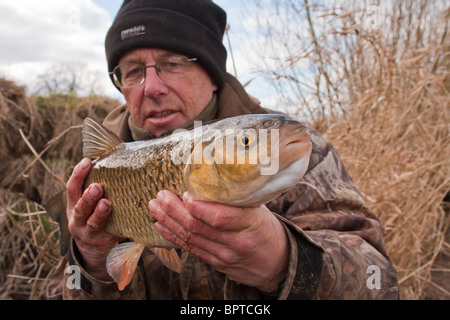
point(132, 32)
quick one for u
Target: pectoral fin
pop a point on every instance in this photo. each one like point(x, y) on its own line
point(122, 262)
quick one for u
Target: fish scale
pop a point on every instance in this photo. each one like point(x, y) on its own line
point(131, 188)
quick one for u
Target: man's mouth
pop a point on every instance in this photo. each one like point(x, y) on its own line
point(161, 114)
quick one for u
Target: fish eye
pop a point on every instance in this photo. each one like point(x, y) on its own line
point(246, 140)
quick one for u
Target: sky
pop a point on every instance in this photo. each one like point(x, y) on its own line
point(37, 35)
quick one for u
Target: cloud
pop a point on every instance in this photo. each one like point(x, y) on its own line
point(38, 34)
point(36, 31)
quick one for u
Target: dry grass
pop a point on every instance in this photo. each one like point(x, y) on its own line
point(29, 249)
point(395, 141)
point(380, 94)
point(39, 144)
point(396, 146)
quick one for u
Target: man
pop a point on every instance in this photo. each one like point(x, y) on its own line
point(167, 59)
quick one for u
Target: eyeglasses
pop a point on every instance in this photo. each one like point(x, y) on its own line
point(132, 74)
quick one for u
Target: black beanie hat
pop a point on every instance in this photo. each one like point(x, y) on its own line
point(194, 28)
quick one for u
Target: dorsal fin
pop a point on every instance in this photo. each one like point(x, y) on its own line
point(97, 139)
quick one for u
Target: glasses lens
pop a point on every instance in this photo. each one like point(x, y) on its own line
point(129, 75)
point(168, 69)
point(173, 68)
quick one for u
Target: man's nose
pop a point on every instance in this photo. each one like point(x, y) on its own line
point(153, 85)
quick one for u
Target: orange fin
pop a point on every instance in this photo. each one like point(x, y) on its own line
point(122, 262)
point(169, 258)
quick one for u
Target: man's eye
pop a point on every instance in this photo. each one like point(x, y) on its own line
point(133, 72)
point(170, 65)
point(173, 65)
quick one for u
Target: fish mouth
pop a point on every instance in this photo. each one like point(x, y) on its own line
point(294, 144)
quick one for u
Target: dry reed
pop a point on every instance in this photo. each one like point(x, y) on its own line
point(375, 80)
point(29, 247)
point(397, 149)
point(32, 125)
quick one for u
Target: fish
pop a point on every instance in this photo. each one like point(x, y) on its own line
point(242, 161)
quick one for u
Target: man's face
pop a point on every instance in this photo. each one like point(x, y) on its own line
point(159, 106)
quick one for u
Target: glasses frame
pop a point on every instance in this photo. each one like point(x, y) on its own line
point(145, 67)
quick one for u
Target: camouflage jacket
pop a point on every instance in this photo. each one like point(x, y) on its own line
point(337, 249)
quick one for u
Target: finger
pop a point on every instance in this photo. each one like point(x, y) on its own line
point(218, 216)
point(179, 227)
point(175, 212)
point(164, 213)
point(87, 203)
point(214, 253)
point(171, 212)
point(75, 184)
point(97, 221)
point(177, 234)
point(217, 248)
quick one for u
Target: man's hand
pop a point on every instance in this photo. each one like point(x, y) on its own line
point(86, 215)
point(249, 245)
